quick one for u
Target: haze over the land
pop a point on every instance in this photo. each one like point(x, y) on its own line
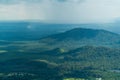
point(63, 12)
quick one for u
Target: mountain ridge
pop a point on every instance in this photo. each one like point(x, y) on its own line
point(83, 36)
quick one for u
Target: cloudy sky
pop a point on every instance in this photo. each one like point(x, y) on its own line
point(61, 11)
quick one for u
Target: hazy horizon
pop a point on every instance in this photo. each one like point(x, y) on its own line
point(61, 11)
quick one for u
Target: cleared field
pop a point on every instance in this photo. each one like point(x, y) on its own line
point(3, 51)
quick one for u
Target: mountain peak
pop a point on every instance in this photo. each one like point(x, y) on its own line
point(84, 33)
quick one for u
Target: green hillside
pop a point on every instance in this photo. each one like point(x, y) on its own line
point(81, 36)
point(78, 54)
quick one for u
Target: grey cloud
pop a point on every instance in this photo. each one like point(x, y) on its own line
point(36, 1)
point(7, 2)
point(78, 1)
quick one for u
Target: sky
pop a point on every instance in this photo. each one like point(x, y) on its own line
point(61, 11)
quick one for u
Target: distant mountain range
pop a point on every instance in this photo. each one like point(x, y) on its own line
point(24, 31)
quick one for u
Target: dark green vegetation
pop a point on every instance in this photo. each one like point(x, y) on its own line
point(78, 37)
point(77, 54)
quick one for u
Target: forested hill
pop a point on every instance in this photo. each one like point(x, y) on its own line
point(83, 36)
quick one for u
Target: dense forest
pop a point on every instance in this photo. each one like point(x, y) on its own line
point(77, 54)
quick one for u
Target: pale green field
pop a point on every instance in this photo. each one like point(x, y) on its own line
point(73, 79)
point(3, 51)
